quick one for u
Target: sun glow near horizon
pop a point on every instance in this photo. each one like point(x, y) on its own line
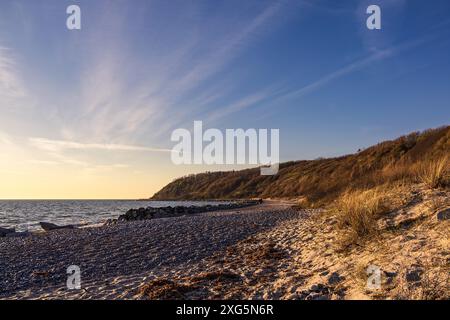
point(133, 172)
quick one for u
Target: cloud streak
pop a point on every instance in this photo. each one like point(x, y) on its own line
point(354, 66)
point(241, 104)
point(57, 145)
point(10, 85)
point(113, 111)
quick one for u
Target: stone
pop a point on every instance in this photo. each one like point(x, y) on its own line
point(4, 232)
point(110, 222)
point(317, 296)
point(317, 287)
point(167, 212)
point(443, 215)
point(22, 234)
point(313, 296)
point(51, 226)
point(413, 275)
point(390, 274)
point(335, 278)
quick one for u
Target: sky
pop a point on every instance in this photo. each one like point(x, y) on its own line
point(88, 114)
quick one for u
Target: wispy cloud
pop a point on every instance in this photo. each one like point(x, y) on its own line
point(110, 108)
point(278, 96)
point(84, 155)
point(57, 145)
point(85, 166)
point(5, 139)
point(10, 84)
point(240, 104)
point(228, 46)
point(355, 66)
point(113, 110)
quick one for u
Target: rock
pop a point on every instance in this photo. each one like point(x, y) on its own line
point(313, 296)
point(317, 296)
point(390, 274)
point(334, 278)
point(443, 215)
point(22, 234)
point(317, 287)
point(167, 212)
point(389, 277)
point(4, 232)
point(50, 226)
point(413, 275)
point(110, 222)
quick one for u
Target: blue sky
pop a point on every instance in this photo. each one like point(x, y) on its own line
point(139, 69)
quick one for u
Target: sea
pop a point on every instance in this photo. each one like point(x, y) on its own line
point(25, 215)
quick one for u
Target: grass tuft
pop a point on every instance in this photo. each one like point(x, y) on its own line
point(357, 213)
point(436, 174)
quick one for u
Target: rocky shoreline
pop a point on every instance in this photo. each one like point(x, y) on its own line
point(141, 214)
point(170, 212)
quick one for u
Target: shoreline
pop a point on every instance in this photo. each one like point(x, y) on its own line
point(35, 266)
point(64, 212)
point(275, 250)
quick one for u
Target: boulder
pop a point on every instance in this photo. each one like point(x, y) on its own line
point(167, 212)
point(50, 226)
point(138, 214)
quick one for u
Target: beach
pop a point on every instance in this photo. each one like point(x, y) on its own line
point(273, 250)
point(116, 259)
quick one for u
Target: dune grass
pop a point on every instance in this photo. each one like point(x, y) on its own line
point(436, 174)
point(357, 213)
